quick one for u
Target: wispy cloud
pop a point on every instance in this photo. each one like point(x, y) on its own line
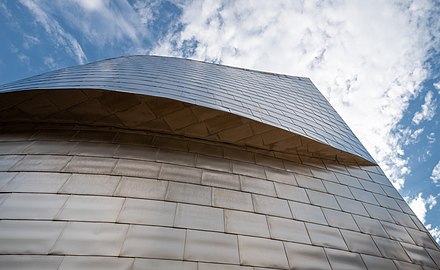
point(421, 205)
point(23, 58)
point(4, 10)
point(409, 136)
point(415, 135)
point(431, 137)
point(145, 11)
point(101, 22)
point(427, 111)
point(29, 41)
point(425, 156)
point(434, 231)
point(91, 5)
point(56, 32)
point(435, 175)
point(369, 63)
point(49, 61)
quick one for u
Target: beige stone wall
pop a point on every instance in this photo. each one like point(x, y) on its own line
point(88, 199)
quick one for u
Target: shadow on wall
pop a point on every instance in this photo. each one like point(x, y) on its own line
point(102, 108)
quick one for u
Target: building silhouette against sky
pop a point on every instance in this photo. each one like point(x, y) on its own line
point(147, 162)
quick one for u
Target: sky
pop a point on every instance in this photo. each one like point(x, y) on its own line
point(376, 61)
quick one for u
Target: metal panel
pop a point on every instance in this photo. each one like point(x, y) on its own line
point(262, 252)
point(239, 91)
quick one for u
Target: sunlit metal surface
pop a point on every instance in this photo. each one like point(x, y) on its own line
point(290, 103)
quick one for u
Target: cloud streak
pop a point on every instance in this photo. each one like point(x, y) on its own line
point(54, 29)
point(431, 137)
point(102, 23)
point(427, 111)
point(109, 25)
point(435, 175)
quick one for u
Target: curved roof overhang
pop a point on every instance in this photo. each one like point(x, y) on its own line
point(105, 108)
point(189, 98)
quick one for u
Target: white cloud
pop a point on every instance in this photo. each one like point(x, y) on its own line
point(368, 62)
point(427, 111)
point(91, 5)
point(415, 135)
point(23, 58)
point(425, 156)
point(4, 10)
point(408, 136)
point(435, 175)
point(437, 85)
point(420, 206)
point(103, 23)
point(145, 11)
point(431, 137)
point(54, 29)
point(435, 232)
point(29, 41)
point(50, 62)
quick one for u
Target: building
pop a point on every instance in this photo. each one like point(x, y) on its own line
point(148, 162)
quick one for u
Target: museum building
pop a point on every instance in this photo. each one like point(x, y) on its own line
point(160, 163)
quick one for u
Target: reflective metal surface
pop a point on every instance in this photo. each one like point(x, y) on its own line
point(139, 205)
point(286, 102)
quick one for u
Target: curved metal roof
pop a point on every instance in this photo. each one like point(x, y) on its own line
point(288, 103)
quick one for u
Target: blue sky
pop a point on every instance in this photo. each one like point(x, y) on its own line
point(379, 68)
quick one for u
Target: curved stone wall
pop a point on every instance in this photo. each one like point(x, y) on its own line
point(87, 198)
